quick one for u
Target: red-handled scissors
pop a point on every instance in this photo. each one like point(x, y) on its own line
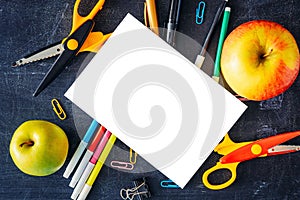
point(80, 39)
point(234, 153)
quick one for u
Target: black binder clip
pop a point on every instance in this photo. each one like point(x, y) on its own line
point(140, 191)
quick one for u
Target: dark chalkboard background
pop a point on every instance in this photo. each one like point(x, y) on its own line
point(29, 25)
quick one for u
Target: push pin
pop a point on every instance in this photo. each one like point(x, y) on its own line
point(140, 191)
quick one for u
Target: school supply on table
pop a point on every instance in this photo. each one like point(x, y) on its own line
point(121, 165)
point(216, 74)
point(173, 19)
point(80, 39)
point(59, 111)
point(91, 165)
point(150, 16)
point(132, 156)
point(162, 64)
point(140, 190)
point(168, 184)
point(200, 58)
point(87, 156)
point(89, 183)
point(234, 153)
point(200, 12)
point(81, 147)
point(125, 165)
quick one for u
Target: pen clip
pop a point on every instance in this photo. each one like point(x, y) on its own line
point(58, 109)
point(121, 165)
point(200, 10)
point(132, 158)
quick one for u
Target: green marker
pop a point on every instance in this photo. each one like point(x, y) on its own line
point(216, 75)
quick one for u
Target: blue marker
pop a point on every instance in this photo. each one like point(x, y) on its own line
point(81, 147)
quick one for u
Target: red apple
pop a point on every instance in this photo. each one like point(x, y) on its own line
point(260, 60)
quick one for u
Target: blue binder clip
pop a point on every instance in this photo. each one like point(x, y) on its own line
point(200, 12)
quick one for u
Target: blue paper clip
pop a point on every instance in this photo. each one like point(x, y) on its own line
point(168, 184)
point(200, 12)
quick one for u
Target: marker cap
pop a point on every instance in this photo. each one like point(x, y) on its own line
point(82, 180)
point(85, 160)
point(80, 149)
point(85, 191)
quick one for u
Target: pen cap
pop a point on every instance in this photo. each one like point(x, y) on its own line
point(80, 169)
point(80, 149)
point(84, 193)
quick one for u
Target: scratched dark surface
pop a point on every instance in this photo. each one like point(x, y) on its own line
point(29, 25)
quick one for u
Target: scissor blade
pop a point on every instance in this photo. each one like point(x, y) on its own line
point(72, 46)
point(283, 149)
point(47, 52)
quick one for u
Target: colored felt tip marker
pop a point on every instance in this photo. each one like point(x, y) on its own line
point(216, 74)
point(91, 165)
point(80, 149)
point(87, 156)
point(88, 185)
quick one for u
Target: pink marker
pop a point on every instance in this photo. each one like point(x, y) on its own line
point(90, 165)
point(87, 156)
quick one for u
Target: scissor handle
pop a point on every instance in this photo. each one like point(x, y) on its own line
point(78, 19)
point(230, 166)
point(94, 42)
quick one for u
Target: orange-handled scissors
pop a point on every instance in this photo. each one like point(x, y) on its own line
point(80, 39)
point(94, 40)
point(234, 153)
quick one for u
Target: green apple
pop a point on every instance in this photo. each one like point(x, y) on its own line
point(260, 60)
point(39, 148)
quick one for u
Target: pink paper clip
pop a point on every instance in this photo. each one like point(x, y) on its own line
point(121, 165)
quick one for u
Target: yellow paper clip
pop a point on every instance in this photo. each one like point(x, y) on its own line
point(132, 158)
point(58, 109)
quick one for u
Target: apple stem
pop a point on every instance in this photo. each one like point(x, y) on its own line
point(28, 143)
point(266, 54)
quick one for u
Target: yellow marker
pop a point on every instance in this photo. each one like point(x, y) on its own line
point(89, 183)
point(58, 109)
